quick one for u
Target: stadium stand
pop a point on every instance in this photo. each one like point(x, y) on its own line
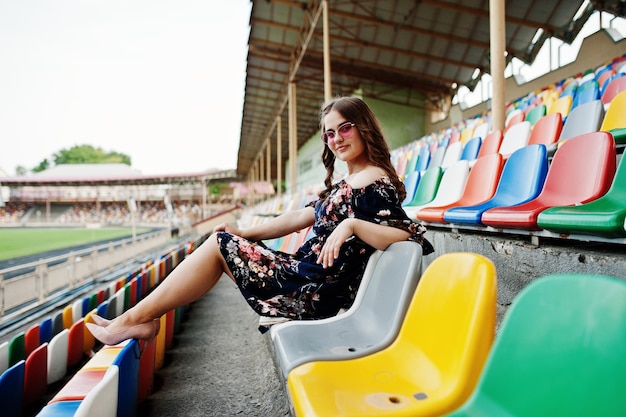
point(575, 99)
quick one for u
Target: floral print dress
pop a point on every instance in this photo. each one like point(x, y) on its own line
point(294, 286)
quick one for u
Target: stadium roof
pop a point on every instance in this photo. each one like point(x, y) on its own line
point(109, 174)
point(423, 48)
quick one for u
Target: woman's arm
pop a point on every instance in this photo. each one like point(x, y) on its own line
point(375, 235)
point(288, 222)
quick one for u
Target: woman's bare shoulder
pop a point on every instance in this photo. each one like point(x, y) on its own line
point(366, 177)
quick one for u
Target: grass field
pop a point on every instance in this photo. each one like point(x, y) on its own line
point(16, 242)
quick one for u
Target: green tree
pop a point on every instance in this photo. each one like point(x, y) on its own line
point(87, 154)
point(43, 165)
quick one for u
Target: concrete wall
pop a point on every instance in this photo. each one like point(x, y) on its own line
point(518, 262)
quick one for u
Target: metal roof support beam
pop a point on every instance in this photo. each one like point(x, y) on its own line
point(293, 136)
point(326, 39)
point(497, 38)
point(268, 160)
point(279, 156)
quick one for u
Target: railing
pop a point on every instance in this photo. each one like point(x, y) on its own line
point(30, 285)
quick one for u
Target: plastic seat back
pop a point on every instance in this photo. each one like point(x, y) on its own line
point(36, 375)
point(57, 356)
point(535, 114)
point(605, 216)
point(615, 117)
point(423, 160)
point(102, 400)
point(615, 86)
point(581, 170)
point(583, 119)
point(561, 344)
point(481, 185)
point(522, 179)
point(471, 149)
point(32, 339)
point(427, 186)
point(128, 362)
point(452, 154)
point(587, 92)
point(547, 130)
point(431, 367)
point(372, 322)
point(17, 348)
point(75, 343)
point(450, 188)
point(411, 164)
point(410, 185)
point(437, 157)
point(491, 143)
point(516, 137)
point(4, 356)
point(562, 105)
point(12, 390)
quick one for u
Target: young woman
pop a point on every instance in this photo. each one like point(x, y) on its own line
point(352, 218)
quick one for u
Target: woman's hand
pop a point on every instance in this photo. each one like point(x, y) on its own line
point(227, 227)
point(330, 250)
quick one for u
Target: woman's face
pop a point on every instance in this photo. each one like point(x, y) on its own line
point(342, 137)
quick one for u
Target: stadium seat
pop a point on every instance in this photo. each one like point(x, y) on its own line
point(32, 339)
point(615, 118)
point(4, 356)
point(437, 157)
point(36, 375)
point(581, 171)
point(604, 216)
point(471, 149)
point(452, 155)
point(79, 385)
point(17, 348)
point(75, 343)
point(491, 143)
point(586, 92)
point(102, 399)
point(57, 356)
point(411, 164)
point(585, 118)
point(481, 130)
point(546, 130)
point(522, 179)
point(12, 390)
point(77, 310)
point(450, 188)
point(515, 137)
point(535, 114)
point(128, 363)
point(615, 86)
point(60, 409)
point(513, 118)
point(559, 352)
point(424, 159)
point(427, 187)
point(481, 185)
point(68, 316)
point(432, 366)
point(372, 322)
point(562, 105)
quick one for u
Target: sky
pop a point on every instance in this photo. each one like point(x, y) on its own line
point(159, 80)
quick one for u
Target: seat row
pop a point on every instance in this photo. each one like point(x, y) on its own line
point(426, 345)
point(510, 192)
point(33, 363)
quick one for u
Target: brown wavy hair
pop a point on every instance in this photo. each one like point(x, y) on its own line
point(377, 152)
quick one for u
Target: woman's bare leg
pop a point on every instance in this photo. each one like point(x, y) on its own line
point(190, 280)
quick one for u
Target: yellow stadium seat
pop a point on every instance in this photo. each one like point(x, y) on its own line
point(433, 365)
